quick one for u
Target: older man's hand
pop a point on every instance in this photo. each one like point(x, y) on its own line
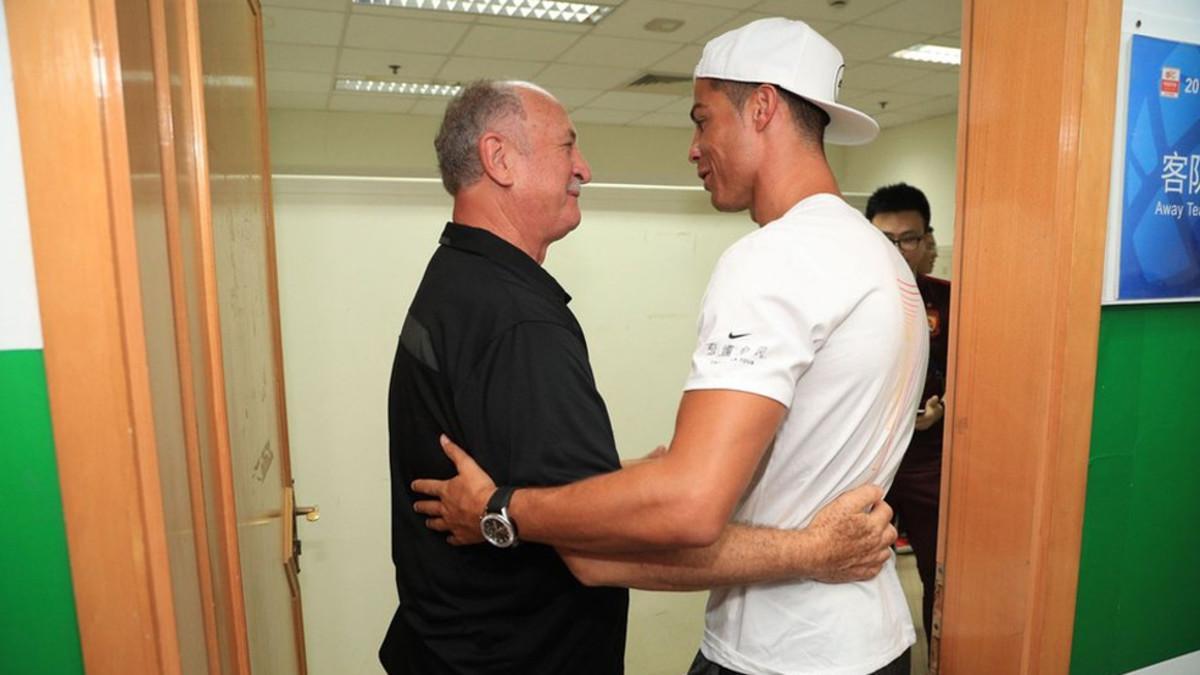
point(460, 501)
point(854, 534)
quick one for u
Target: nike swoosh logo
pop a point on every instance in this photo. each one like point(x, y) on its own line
point(739, 335)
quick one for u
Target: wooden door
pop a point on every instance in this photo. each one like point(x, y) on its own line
point(155, 262)
point(237, 264)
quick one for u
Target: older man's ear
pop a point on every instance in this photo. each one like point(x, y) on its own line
point(496, 154)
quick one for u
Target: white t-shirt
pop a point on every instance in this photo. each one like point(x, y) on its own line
point(818, 311)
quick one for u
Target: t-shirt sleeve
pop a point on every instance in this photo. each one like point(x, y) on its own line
point(541, 408)
point(760, 325)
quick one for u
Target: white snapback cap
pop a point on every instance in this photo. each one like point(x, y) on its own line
point(791, 55)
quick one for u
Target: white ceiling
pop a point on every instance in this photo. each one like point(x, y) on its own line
point(312, 42)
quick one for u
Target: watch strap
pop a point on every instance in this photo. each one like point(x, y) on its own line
point(500, 498)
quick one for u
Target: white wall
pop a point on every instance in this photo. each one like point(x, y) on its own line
point(20, 327)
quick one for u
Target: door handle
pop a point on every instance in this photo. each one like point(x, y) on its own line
point(311, 513)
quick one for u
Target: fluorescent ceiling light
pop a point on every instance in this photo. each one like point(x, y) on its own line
point(545, 10)
point(389, 87)
point(931, 54)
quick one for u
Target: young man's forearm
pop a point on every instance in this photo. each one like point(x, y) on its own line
point(682, 499)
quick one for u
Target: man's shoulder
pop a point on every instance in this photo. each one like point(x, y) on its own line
point(462, 288)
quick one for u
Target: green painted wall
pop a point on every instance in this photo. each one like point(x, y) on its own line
point(1139, 569)
point(38, 633)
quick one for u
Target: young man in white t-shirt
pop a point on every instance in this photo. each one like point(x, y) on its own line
point(809, 364)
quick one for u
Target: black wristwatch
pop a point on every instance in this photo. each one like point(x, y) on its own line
point(497, 526)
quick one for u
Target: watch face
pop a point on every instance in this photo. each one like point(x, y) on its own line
point(497, 530)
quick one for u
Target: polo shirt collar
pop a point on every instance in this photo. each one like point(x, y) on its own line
point(483, 243)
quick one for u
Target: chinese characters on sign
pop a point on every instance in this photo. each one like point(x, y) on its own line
point(1159, 257)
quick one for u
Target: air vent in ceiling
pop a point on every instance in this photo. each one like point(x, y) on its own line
point(661, 83)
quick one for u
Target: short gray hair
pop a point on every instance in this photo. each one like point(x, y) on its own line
point(473, 112)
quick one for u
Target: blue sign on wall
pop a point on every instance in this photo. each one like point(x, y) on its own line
point(1160, 223)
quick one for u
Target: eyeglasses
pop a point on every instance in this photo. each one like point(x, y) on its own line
point(909, 243)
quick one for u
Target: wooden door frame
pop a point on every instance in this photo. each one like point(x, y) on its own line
point(1028, 269)
point(71, 119)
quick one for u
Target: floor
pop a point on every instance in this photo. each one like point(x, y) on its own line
point(906, 567)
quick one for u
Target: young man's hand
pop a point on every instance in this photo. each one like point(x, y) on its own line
point(460, 501)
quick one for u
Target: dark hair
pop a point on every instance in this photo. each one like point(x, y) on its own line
point(474, 111)
point(809, 119)
point(899, 197)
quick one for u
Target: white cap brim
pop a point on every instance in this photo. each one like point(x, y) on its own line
point(847, 126)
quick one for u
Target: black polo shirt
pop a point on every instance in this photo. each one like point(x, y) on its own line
point(491, 355)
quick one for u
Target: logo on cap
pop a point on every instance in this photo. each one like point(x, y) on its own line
point(837, 81)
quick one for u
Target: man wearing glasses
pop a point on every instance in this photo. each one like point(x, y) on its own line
point(901, 212)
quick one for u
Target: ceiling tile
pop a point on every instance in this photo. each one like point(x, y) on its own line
point(894, 99)
point(432, 106)
point(375, 62)
point(934, 84)
point(623, 100)
point(947, 40)
point(294, 100)
point(733, 4)
point(820, 10)
point(323, 5)
point(895, 119)
point(302, 26)
point(304, 58)
point(938, 106)
point(860, 43)
point(467, 69)
point(403, 35)
point(920, 65)
point(870, 76)
point(629, 20)
point(585, 77)
point(744, 18)
point(512, 43)
point(736, 21)
point(867, 102)
point(681, 105)
point(918, 16)
point(371, 102)
point(682, 62)
point(597, 116)
point(534, 24)
point(612, 51)
point(660, 119)
point(573, 98)
point(284, 80)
